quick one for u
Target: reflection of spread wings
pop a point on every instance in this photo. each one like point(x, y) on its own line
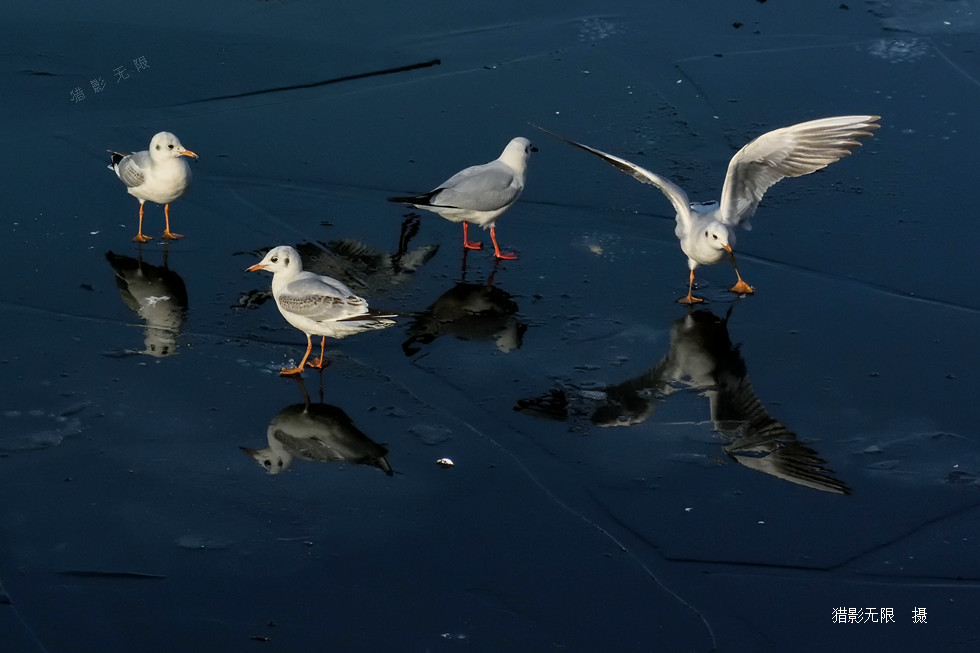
point(129, 167)
point(762, 443)
point(703, 358)
point(628, 403)
point(633, 401)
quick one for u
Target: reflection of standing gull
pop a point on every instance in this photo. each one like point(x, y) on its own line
point(157, 294)
point(701, 357)
point(707, 230)
point(316, 305)
point(361, 267)
point(479, 194)
point(318, 433)
point(157, 174)
point(470, 311)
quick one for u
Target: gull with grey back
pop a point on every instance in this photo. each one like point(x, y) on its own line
point(316, 305)
point(479, 194)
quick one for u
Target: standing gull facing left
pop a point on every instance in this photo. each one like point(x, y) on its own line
point(316, 305)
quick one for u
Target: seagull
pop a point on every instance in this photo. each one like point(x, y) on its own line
point(707, 230)
point(479, 194)
point(157, 174)
point(316, 305)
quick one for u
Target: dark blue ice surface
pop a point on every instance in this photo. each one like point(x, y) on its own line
point(596, 502)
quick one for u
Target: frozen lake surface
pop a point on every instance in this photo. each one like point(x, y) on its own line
point(598, 500)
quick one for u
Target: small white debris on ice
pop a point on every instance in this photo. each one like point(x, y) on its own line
point(445, 462)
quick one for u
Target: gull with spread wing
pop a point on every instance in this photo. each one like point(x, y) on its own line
point(707, 230)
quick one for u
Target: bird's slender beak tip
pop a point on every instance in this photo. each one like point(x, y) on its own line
point(254, 268)
point(190, 154)
point(727, 248)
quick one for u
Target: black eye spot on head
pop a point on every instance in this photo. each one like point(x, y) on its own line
point(158, 147)
point(171, 146)
point(715, 236)
point(274, 259)
point(705, 233)
point(286, 262)
point(267, 463)
point(279, 463)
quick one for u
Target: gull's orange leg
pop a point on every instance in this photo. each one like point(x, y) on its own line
point(166, 232)
point(740, 286)
point(139, 237)
point(690, 298)
point(466, 240)
point(290, 371)
point(320, 363)
point(496, 247)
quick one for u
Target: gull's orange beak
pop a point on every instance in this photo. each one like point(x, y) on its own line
point(727, 248)
point(256, 267)
point(190, 154)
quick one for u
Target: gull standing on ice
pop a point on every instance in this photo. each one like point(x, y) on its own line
point(158, 174)
point(707, 230)
point(316, 305)
point(479, 194)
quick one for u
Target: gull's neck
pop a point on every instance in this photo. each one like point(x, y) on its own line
point(282, 277)
point(514, 157)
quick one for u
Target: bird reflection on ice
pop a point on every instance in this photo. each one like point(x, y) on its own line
point(470, 311)
point(365, 269)
point(155, 293)
point(702, 358)
point(316, 432)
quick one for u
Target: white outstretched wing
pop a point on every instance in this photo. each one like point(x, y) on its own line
point(788, 152)
point(673, 192)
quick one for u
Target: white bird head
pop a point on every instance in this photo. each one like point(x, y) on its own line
point(160, 342)
point(270, 459)
point(517, 153)
point(167, 146)
point(717, 236)
point(280, 259)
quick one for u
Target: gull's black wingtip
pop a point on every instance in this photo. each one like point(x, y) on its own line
point(414, 199)
point(115, 158)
